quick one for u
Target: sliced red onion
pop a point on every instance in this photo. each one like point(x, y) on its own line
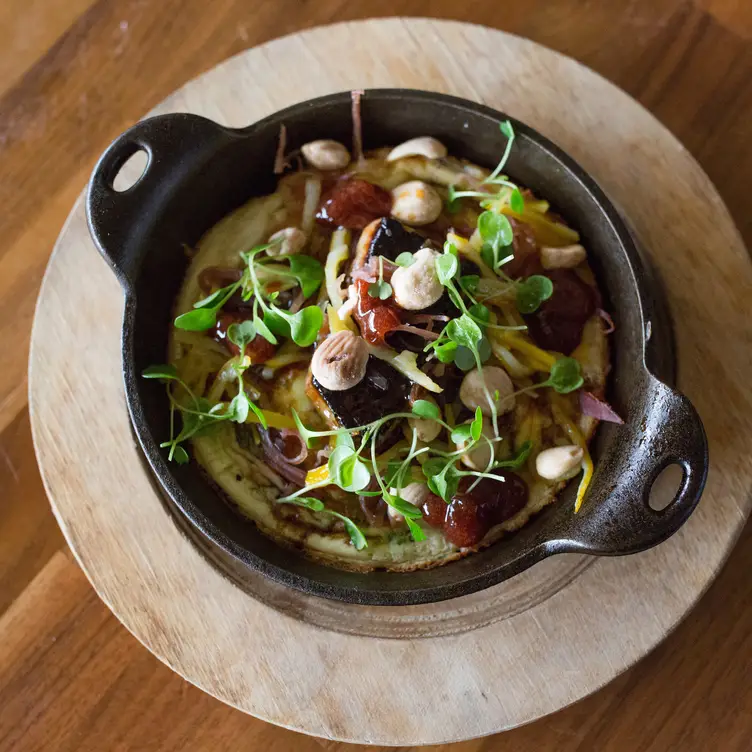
point(415, 330)
point(610, 326)
point(297, 301)
point(279, 462)
point(279, 158)
point(598, 408)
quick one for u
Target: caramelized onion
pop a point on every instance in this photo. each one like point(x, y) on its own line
point(415, 330)
point(279, 462)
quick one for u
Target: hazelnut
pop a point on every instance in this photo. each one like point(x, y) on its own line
point(473, 394)
point(415, 493)
point(326, 154)
point(566, 257)
point(416, 203)
point(423, 146)
point(286, 242)
point(417, 286)
point(340, 361)
point(559, 463)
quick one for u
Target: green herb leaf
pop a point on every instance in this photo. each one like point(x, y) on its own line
point(198, 320)
point(356, 535)
point(464, 331)
point(516, 201)
point(215, 300)
point(405, 259)
point(445, 352)
point(165, 372)
point(347, 470)
point(404, 507)
point(515, 463)
point(495, 229)
point(480, 313)
point(484, 349)
point(476, 427)
point(469, 283)
point(241, 334)
point(464, 358)
point(447, 267)
point(305, 325)
point(307, 502)
point(566, 375)
point(343, 438)
point(380, 289)
point(308, 272)
point(259, 415)
point(532, 292)
point(426, 409)
point(416, 531)
point(461, 434)
point(239, 408)
point(395, 470)
point(263, 328)
point(305, 434)
point(180, 456)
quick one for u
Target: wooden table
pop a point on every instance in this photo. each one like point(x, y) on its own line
point(73, 74)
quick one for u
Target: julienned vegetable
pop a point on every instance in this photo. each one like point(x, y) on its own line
point(390, 407)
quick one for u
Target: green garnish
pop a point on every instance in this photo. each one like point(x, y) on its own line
point(268, 319)
point(316, 505)
point(380, 289)
point(531, 292)
point(405, 259)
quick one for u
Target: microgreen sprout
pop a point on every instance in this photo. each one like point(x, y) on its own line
point(380, 289)
point(268, 319)
point(198, 414)
point(405, 259)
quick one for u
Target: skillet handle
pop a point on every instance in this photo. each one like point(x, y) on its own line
point(617, 518)
point(115, 217)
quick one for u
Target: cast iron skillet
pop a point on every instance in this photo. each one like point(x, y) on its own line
point(198, 171)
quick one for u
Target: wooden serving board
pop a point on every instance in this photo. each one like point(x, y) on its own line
point(442, 672)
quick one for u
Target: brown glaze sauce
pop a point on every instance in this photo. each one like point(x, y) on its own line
point(471, 514)
point(354, 203)
point(375, 317)
point(557, 325)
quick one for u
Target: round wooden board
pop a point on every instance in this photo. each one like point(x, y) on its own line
point(552, 635)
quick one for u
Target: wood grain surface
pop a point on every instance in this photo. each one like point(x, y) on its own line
point(72, 75)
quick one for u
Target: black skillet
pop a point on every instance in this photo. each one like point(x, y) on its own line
point(198, 171)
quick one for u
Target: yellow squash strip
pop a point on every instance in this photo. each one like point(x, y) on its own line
point(274, 420)
point(337, 324)
point(546, 231)
point(558, 408)
point(339, 250)
point(540, 360)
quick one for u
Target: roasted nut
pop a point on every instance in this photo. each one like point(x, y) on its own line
point(340, 361)
point(417, 286)
point(415, 493)
point(559, 463)
point(326, 154)
point(416, 203)
point(426, 429)
point(423, 146)
point(286, 242)
point(479, 457)
point(566, 257)
point(473, 394)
